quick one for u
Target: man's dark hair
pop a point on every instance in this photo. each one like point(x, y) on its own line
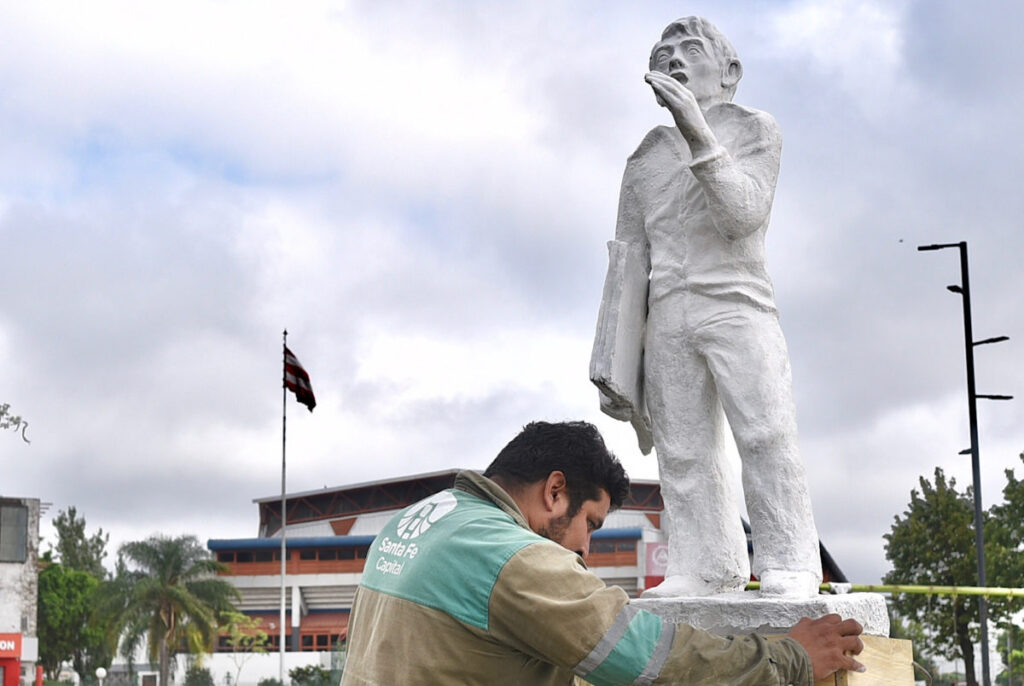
point(574, 448)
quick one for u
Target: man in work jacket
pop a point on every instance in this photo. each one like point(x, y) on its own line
point(485, 584)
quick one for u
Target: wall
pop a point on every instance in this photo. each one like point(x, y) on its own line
point(19, 593)
point(19, 583)
point(255, 667)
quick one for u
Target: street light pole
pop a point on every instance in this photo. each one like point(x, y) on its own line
point(964, 289)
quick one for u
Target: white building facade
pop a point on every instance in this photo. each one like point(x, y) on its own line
point(19, 590)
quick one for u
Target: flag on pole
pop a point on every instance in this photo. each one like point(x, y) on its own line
point(297, 380)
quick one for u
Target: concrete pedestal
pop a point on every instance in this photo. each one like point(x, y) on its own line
point(746, 612)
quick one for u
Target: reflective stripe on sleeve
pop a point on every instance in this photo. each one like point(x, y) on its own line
point(653, 667)
point(611, 637)
point(632, 651)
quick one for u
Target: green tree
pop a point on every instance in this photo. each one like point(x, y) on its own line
point(76, 549)
point(310, 675)
point(1004, 566)
point(166, 591)
point(1004, 535)
point(1010, 645)
point(932, 543)
point(64, 613)
point(10, 421)
point(244, 636)
point(197, 675)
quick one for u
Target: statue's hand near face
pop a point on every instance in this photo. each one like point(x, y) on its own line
point(679, 99)
point(686, 112)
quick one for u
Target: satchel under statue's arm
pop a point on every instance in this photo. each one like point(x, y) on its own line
point(616, 365)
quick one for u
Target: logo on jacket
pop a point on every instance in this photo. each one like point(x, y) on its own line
point(423, 515)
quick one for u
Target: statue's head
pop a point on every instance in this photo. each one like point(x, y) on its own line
point(694, 52)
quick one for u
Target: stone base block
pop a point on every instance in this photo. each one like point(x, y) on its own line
point(747, 612)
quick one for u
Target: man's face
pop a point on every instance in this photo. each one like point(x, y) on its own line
point(691, 61)
point(574, 532)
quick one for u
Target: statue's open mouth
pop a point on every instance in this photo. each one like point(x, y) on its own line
point(680, 77)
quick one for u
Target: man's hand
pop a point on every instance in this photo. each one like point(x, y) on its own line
point(831, 642)
point(685, 110)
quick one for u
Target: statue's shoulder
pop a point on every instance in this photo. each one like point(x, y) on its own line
point(742, 121)
point(660, 138)
point(730, 111)
point(661, 144)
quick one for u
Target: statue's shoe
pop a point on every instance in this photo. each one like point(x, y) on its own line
point(680, 586)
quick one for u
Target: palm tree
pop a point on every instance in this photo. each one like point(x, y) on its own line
point(166, 591)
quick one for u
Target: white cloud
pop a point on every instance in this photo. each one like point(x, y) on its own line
point(294, 90)
point(423, 367)
point(858, 42)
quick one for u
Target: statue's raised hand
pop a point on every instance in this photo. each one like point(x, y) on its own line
point(685, 110)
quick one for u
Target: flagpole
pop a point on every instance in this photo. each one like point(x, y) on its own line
point(296, 380)
point(284, 426)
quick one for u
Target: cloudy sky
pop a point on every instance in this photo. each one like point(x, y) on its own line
point(421, 192)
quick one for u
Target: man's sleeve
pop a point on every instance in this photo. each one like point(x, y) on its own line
point(548, 605)
point(738, 177)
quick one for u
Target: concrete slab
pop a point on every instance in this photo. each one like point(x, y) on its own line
point(746, 612)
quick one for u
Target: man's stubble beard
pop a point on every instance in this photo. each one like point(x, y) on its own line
point(555, 529)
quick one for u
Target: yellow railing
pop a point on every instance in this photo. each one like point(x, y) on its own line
point(839, 588)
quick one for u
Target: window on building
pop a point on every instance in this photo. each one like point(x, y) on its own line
point(303, 510)
point(226, 557)
point(319, 641)
point(264, 556)
point(307, 554)
point(612, 546)
point(13, 532)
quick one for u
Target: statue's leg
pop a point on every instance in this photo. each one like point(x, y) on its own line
point(707, 546)
point(751, 366)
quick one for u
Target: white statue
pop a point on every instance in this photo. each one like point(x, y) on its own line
point(688, 328)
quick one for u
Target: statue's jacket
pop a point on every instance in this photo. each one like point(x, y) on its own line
point(701, 223)
point(458, 590)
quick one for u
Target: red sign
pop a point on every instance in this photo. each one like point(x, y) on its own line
point(10, 645)
point(657, 559)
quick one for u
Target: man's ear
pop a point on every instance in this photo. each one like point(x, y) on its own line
point(556, 495)
point(732, 74)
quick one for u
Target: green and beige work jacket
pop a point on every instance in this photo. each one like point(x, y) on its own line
point(458, 590)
